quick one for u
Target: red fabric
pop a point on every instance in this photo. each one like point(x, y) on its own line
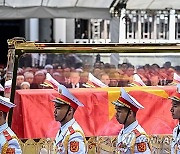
point(132, 107)
point(65, 99)
point(156, 118)
point(94, 115)
point(33, 116)
point(4, 108)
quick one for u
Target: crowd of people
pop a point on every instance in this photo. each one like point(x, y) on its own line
point(33, 68)
point(71, 77)
point(77, 75)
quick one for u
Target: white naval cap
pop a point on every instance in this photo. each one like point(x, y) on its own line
point(94, 82)
point(5, 104)
point(126, 100)
point(50, 82)
point(137, 81)
point(176, 77)
point(66, 97)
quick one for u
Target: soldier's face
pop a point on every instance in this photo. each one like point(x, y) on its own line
point(121, 114)
point(175, 110)
point(60, 111)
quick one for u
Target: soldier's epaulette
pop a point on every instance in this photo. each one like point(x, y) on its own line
point(7, 135)
point(71, 130)
point(137, 133)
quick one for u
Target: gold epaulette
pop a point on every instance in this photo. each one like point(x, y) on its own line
point(72, 131)
point(137, 134)
point(8, 138)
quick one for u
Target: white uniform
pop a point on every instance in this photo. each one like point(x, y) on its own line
point(70, 139)
point(175, 145)
point(133, 140)
point(8, 141)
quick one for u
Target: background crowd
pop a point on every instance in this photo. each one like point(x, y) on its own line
point(73, 73)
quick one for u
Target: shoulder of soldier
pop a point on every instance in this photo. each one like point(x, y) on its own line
point(76, 140)
point(73, 137)
point(140, 135)
point(75, 131)
point(76, 126)
point(11, 141)
point(9, 135)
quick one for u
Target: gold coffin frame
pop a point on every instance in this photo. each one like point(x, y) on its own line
point(18, 46)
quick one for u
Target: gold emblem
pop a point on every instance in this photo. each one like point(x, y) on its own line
point(74, 146)
point(10, 151)
point(141, 147)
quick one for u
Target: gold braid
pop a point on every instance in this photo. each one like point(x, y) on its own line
point(5, 146)
point(66, 140)
point(134, 141)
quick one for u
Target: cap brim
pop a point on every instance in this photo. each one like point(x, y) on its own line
point(118, 104)
point(174, 99)
point(58, 101)
point(46, 85)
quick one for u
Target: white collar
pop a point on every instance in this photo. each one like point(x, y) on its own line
point(130, 127)
point(3, 127)
point(66, 125)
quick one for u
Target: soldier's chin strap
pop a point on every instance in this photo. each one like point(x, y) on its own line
point(127, 116)
point(66, 113)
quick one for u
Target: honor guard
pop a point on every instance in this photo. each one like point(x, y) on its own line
point(8, 140)
point(176, 80)
point(132, 138)
point(137, 81)
point(176, 77)
point(175, 110)
point(70, 138)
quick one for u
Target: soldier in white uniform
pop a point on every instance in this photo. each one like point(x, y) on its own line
point(70, 138)
point(175, 110)
point(9, 143)
point(132, 139)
